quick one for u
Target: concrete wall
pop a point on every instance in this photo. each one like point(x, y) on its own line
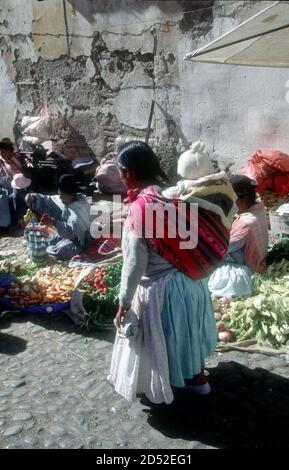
point(101, 63)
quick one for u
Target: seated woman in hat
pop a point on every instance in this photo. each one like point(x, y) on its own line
point(10, 163)
point(69, 212)
point(248, 243)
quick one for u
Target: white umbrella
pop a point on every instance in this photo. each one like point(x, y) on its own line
point(263, 41)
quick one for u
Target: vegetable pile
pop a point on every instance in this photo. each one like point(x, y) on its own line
point(53, 284)
point(22, 294)
point(264, 316)
point(56, 284)
point(10, 267)
point(96, 281)
point(278, 249)
point(101, 298)
point(19, 266)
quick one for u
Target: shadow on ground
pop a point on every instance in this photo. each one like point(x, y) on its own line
point(11, 232)
point(246, 409)
point(11, 345)
point(57, 322)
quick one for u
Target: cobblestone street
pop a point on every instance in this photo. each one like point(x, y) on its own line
point(54, 394)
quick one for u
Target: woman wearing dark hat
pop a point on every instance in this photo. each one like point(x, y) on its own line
point(10, 162)
point(248, 243)
point(69, 212)
point(10, 165)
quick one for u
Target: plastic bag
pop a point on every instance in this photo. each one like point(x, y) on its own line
point(130, 325)
point(107, 176)
point(37, 127)
point(270, 169)
point(29, 216)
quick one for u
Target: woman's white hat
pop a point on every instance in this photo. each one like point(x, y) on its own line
point(20, 181)
point(195, 163)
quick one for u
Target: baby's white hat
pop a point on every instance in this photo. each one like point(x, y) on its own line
point(119, 143)
point(195, 163)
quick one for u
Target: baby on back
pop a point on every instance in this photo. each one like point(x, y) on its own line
point(200, 185)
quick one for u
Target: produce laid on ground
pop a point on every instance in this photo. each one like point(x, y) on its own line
point(57, 283)
point(278, 249)
point(26, 285)
point(101, 298)
point(18, 265)
point(10, 267)
point(264, 316)
point(40, 286)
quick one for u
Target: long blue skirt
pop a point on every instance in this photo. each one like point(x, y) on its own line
point(189, 327)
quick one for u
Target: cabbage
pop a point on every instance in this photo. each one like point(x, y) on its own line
point(265, 315)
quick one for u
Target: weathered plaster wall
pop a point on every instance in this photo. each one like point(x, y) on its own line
point(8, 104)
point(101, 63)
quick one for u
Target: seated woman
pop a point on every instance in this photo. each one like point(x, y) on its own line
point(10, 165)
point(69, 212)
point(248, 243)
point(10, 162)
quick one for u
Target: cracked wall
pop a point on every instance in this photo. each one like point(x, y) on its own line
point(101, 63)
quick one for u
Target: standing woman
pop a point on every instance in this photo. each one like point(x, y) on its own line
point(177, 329)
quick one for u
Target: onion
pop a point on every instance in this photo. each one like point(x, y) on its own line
point(218, 316)
point(225, 336)
point(226, 300)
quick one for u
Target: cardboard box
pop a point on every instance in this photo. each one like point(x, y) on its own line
point(279, 223)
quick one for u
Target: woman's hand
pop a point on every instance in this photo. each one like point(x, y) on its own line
point(46, 219)
point(119, 316)
point(30, 198)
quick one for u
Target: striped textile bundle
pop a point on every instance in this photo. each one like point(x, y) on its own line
point(100, 250)
point(36, 239)
point(108, 245)
point(211, 237)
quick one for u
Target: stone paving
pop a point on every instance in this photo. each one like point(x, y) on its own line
point(54, 394)
point(11, 241)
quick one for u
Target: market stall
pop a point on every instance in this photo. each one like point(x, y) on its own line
point(27, 287)
point(260, 41)
point(264, 316)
